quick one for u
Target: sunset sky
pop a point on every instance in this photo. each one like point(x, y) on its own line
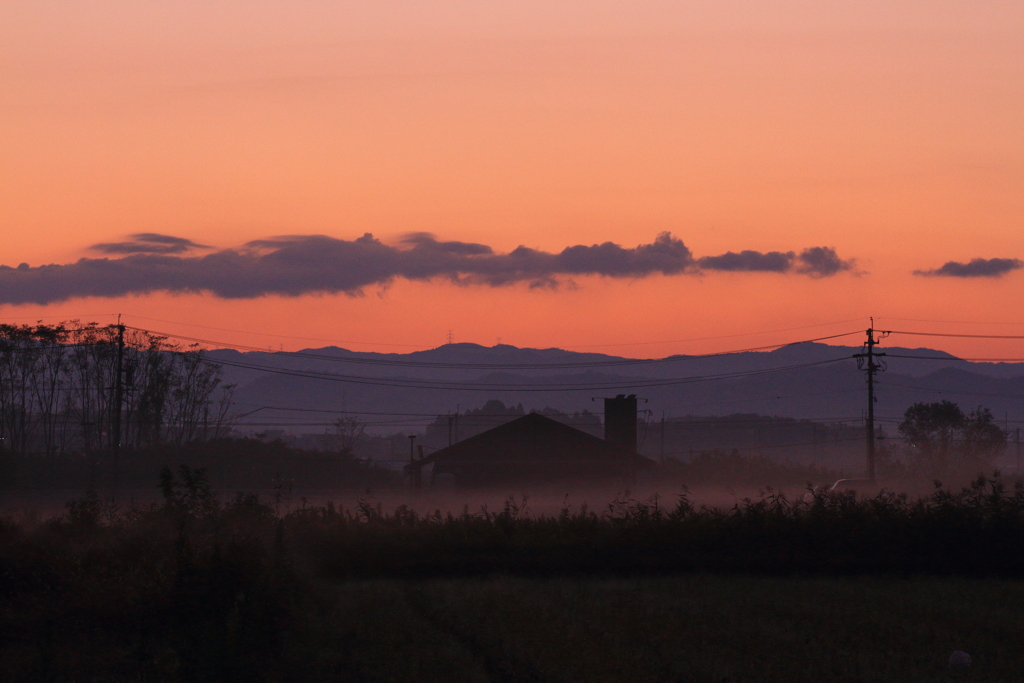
point(885, 137)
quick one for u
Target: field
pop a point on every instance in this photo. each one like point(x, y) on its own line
point(688, 628)
point(833, 588)
point(691, 628)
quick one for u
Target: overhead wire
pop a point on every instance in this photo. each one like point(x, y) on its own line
point(948, 391)
point(333, 341)
point(954, 358)
point(528, 387)
point(279, 336)
point(473, 415)
point(761, 447)
point(722, 336)
point(952, 334)
point(950, 322)
point(771, 396)
point(687, 425)
point(65, 317)
point(572, 386)
point(448, 365)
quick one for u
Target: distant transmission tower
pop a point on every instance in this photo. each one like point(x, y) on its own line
point(451, 337)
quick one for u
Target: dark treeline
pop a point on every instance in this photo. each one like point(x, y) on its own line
point(59, 390)
point(837, 445)
point(233, 464)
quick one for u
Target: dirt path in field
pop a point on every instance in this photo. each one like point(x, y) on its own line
point(500, 665)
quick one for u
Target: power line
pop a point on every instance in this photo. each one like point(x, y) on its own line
point(473, 416)
point(366, 412)
point(334, 341)
point(951, 322)
point(495, 418)
point(951, 391)
point(672, 425)
point(487, 366)
point(420, 346)
point(771, 396)
point(951, 334)
point(42, 347)
point(507, 386)
point(957, 358)
point(723, 336)
point(47, 317)
point(279, 336)
point(782, 445)
point(340, 412)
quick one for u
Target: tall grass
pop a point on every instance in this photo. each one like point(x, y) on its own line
point(195, 588)
point(978, 531)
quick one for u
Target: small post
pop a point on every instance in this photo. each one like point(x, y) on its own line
point(663, 435)
point(415, 473)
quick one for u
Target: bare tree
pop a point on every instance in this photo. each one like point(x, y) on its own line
point(58, 389)
point(350, 431)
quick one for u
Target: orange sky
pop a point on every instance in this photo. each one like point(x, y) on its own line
point(892, 134)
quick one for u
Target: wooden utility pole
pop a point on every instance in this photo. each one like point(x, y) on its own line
point(416, 473)
point(118, 400)
point(866, 362)
point(814, 444)
point(663, 435)
point(1018, 451)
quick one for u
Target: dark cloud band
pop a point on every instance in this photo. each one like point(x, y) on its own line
point(305, 264)
point(979, 267)
point(816, 262)
point(148, 243)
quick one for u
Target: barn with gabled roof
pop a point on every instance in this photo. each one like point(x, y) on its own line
point(538, 450)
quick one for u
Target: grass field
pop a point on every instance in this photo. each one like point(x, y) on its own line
point(667, 629)
point(834, 588)
point(693, 628)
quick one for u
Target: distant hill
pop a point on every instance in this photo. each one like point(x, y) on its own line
point(806, 381)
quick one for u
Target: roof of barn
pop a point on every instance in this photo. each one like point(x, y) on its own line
point(531, 437)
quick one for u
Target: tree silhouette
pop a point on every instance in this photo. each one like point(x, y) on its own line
point(350, 431)
point(943, 436)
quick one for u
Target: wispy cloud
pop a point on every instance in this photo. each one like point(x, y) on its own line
point(148, 243)
point(979, 267)
point(294, 265)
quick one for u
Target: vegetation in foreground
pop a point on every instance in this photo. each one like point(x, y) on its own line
point(835, 588)
point(234, 464)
